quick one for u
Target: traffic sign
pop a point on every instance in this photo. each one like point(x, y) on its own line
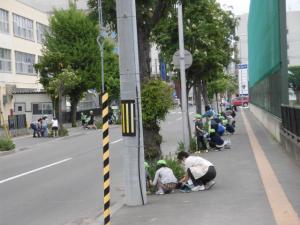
point(188, 59)
point(243, 66)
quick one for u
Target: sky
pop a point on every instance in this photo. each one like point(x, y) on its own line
point(242, 6)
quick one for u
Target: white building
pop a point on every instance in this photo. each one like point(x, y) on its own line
point(21, 35)
point(293, 41)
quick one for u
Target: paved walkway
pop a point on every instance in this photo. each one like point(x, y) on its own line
point(256, 184)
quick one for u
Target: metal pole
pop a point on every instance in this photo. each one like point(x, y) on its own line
point(100, 41)
point(133, 144)
point(105, 128)
point(186, 140)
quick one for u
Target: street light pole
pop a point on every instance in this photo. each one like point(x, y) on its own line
point(186, 140)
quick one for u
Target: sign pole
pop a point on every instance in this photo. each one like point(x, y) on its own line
point(186, 140)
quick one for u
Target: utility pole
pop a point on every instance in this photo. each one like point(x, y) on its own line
point(133, 144)
point(183, 80)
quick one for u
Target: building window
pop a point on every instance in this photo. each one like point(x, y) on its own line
point(42, 108)
point(5, 60)
point(41, 29)
point(4, 21)
point(24, 63)
point(23, 27)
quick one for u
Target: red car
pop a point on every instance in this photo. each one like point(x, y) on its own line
point(240, 101)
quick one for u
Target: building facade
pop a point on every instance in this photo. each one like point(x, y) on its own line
point(293, 42)
point(22, 30)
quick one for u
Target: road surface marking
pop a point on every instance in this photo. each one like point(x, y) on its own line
point(117, 141)
point(283, 210)
point(179, 118)
point(33, 171)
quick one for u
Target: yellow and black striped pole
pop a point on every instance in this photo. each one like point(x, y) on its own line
point(106, 169)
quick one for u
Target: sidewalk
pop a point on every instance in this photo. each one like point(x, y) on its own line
point(239, 196)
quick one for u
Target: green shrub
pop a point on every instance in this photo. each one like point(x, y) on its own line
point(172, 163)
point(63, 132)
point(193, 144)
point(99, 124)
point(6, 144)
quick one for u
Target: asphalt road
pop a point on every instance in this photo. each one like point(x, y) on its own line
point(59, 181)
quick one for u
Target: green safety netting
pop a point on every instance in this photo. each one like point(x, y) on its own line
point(263, 40)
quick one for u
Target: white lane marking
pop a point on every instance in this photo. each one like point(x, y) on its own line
point(117, 141)
point(33, 171)
point(179, 118)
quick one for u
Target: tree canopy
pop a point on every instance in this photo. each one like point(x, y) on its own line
point(208, 32)
point(72, 42)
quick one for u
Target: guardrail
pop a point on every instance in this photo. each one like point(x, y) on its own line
point(291, 119)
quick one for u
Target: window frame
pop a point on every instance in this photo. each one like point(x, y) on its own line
point(43, 110)
point(5, 21)
point(6, 60)
point(24, 63)
point(23, 27)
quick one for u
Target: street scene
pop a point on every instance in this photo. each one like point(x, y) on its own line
point(149, 112)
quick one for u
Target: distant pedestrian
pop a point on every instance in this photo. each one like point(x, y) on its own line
point(33, 126)
point(199, 131)
point(91, 123)
point(83, 118)
point(54, 127)
point(44, 122)
point(199, 170)
point(164, 178)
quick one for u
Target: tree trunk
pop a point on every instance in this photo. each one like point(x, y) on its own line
point(152, 141)
point(73, 112)
point(60, 102)
point(204, 94)
point(144, 53)
point(197, 94)
point(217, 102)
point(297, 92)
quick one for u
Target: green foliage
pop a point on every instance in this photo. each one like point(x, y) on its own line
point(294, 77)
point(72, 43)
point(156, 102)
point(6, 144)
point(63, 132)
point(193, 144)
point(209, 32)
point(222, 84)
point(172, 163)
point(99, 124)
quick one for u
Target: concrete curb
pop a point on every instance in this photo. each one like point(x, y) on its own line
point(3, 153)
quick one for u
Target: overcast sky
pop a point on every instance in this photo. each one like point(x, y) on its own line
point(242, 6)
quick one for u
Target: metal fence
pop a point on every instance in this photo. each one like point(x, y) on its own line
point(17, 122)
point(291, 119)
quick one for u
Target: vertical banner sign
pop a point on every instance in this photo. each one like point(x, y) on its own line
point(128, 117)
point(105, 142)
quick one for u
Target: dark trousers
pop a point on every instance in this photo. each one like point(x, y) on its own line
point(201, 145)
point(210, 175)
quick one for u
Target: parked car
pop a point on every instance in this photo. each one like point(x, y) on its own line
point(240, 101)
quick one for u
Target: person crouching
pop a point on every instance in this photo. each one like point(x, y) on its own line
point(164, 178)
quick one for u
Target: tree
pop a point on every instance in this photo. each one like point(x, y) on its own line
point(62, 84)
point(148, 12)
point(72, 42)
point(157, 100)
point(209, 32)
point(294, 80)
